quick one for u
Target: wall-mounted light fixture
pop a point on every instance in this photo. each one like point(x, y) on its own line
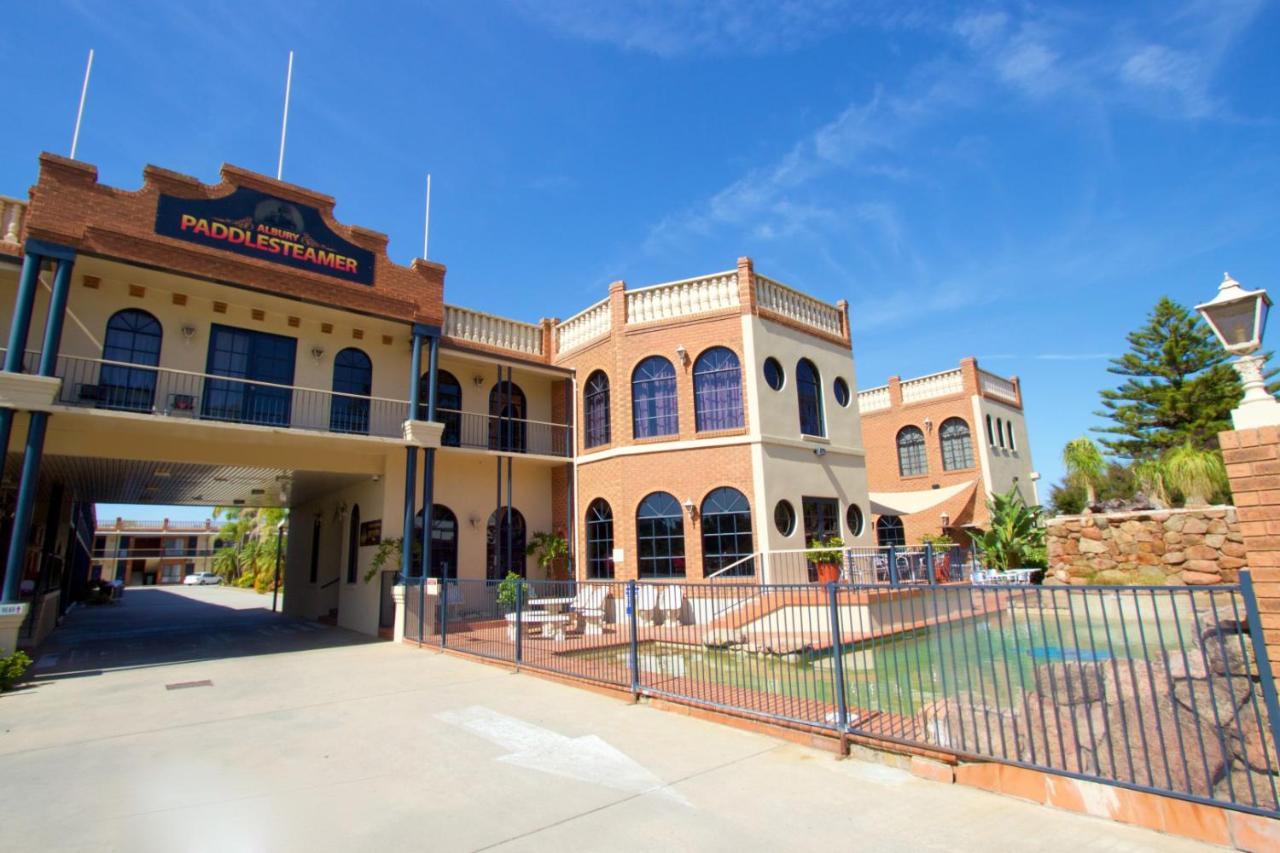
point(945, 518)
point(188, 331)
point(477, 380)
point(928, 425)
point(688, 506)
point(819, 452)
point(317, 353)
point(682, 354)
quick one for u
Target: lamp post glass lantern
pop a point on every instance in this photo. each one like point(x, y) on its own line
point(1238, 318)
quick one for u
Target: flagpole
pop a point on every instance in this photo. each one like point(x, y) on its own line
point(284, 124)
point(426, 228)
point(84, 91)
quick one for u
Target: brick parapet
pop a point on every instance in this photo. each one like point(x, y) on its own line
point(1252, 457)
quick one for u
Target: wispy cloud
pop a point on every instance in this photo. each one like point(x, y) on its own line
point(1072, 356)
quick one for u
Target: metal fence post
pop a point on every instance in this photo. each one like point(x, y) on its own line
point(444, 611)
point(1266, 677)
point(893, 565)
point(928, 563)
point(519, 623)
point(633, 654)
point(837, 668)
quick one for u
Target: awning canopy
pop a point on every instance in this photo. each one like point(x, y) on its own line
point(910, 503)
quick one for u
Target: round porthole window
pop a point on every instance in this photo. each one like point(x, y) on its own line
point(784, 518)
point(855, 520)
point(842, 392)
point(773, 373)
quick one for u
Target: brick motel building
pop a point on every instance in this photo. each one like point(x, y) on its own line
point(235, 344)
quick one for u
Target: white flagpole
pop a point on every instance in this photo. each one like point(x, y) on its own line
point(84, 90)
point(284, 124)
point(426, 228)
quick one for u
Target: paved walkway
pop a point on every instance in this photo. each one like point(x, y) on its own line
point(311, 738)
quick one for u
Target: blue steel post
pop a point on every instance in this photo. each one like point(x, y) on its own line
point(519, 622)
point(928, 562)
point(29, 481)
point(633, 653)
point(429, 463)
point(19, 327)
point(410, 476)
point(893, 565)
point(837, 668)
point(1266, 678)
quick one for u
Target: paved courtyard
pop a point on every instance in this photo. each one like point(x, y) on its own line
point(312, 738)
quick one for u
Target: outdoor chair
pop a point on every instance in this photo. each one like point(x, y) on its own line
point(646, 605)
point(671, 603)
point(587, 609)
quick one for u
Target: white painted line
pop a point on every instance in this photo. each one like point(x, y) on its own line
point(586, 759)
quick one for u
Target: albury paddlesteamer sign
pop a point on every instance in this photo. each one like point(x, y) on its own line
point(255, 224)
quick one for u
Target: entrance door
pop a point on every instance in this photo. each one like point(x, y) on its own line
point(243, 354)
point(821, 519)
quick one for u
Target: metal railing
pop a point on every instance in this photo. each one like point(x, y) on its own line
point(889, 564)
point(505, 435)
point(1160, 689)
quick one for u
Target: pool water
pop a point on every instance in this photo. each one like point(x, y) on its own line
point(995, 657)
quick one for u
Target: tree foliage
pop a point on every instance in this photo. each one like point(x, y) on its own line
point(1014, 537)
point(1197, 474)
point(1117, 482)
point(1179, 387)
point(1085, 466)
point(247, 556)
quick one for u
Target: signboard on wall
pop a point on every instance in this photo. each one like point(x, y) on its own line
point(370, 533)
point(257, 225)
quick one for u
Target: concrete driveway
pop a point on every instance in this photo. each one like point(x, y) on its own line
point(311, 738)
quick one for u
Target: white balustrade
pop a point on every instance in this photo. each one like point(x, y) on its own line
point(12, 212)
point(874, 399)
point(584, 327)
point(489, 330)
point(683, 298)
point(933, 385)
point(797, 306)
point(997, 386)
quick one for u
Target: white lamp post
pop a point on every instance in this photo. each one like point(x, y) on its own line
point(1238, 317)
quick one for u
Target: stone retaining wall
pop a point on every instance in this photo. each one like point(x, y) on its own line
point(1173, 546)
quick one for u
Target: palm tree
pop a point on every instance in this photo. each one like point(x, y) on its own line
point(1084, 465)
point(1197, 474)
point(1151, 478)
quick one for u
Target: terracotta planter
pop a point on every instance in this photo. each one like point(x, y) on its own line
point(828, 573)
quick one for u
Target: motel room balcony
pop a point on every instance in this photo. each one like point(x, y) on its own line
point(130, 388)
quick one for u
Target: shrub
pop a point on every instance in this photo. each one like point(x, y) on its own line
point(12, 667)
point(508, 589)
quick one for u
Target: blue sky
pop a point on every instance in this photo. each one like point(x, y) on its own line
point(1019, 182)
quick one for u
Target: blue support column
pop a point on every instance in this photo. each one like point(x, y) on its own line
point(429, 465)
point(34, 453)
point(411, 467)
point(19, 328)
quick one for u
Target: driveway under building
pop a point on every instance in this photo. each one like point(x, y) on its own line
point(196, 719)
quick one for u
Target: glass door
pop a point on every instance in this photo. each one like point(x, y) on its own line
point(821, 519)
point(248, 357)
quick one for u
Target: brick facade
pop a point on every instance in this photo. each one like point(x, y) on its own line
point(1253, 466)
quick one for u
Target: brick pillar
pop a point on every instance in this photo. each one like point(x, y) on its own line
point(843, 307)
point(549, 337)
point(746, 285)
point(618, 305)
point(969, 374)
point(1253, 467)
point(895, 390)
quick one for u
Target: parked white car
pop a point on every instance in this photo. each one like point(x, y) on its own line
point(201, 578)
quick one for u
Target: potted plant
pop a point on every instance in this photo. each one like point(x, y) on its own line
point(827, 555)
point(551, 549)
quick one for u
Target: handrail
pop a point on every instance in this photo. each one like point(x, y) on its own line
point(689, 280)
point(500, 417)
point(331, 583)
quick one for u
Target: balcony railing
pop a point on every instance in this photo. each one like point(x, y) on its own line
point(492, 331)
point(585, 326)
point(933, 385)
point(798, 307)
point(124, 387)
point(149, 553)
point(683, 298)
point(12, 214)
point(997, 386)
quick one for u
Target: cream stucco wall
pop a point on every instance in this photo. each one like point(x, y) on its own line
point(1002, 467)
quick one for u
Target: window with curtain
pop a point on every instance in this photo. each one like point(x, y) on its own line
point(889, 531)
point(911, 452)
point(726, 533)
point(957, 444)
point(595, 410)
point(654, 410)
point(599, 539)
point(134, 337)
point(448, 405)
point(809, 398)
point(660, 537)
point(352, 375)
point(717, 390)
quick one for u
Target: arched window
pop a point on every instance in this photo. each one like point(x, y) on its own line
point(444, 542)
point(448, 405)
point(654, 410)
point(991, 438)
point(660, 537)
point(1000, 431)
point(504, 553)
point(595, 410)
point(133, 336)
point(1008, 428)
point(353, 545)
point(957, 444)
point(889, 531)
point(717, 390)
point(352, 375)
point(809, 398)
point(911, 452)
point(599, 539)
point(726, 533)
point(314, 569)
point(507, 418)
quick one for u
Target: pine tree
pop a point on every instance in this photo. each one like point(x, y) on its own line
point(1181, 387)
